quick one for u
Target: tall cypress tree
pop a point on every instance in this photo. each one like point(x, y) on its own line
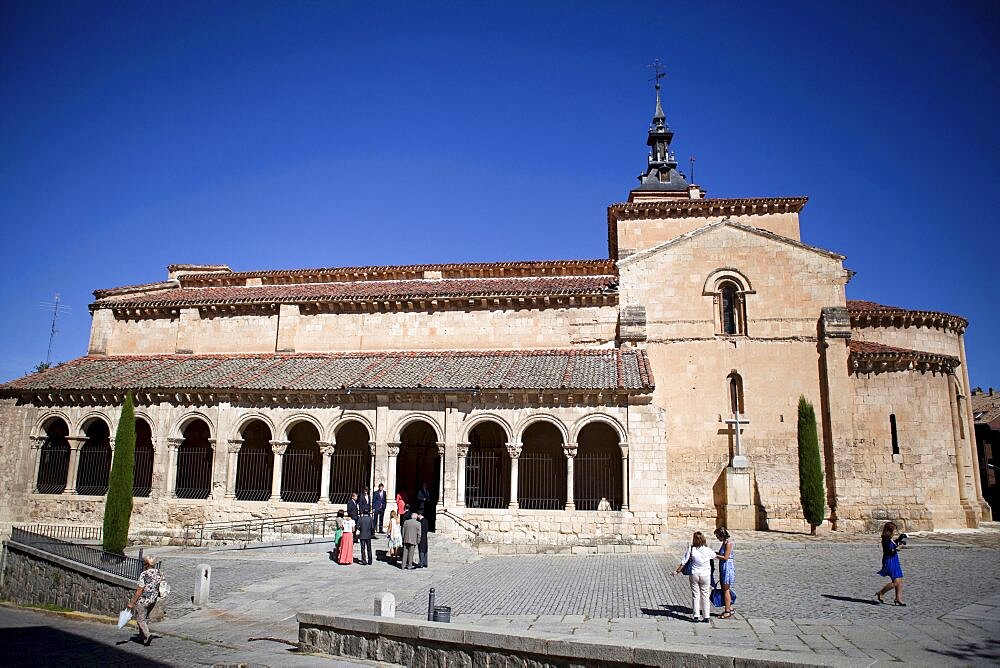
point(118, 505)
point(811, 490)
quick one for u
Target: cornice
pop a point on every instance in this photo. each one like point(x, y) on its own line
point(869, 314)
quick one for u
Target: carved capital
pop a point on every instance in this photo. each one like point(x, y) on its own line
point(393, 449)
point(38, 441)
point(76, 442)
point(235, 445)
point(174, 443)
point(514, 450)
point(211, 444)
point(371, 447)
point(326, 448)
point(624, 447)
point(463, 449)
point(440, 447)
point(570, 449)
point(279, 447)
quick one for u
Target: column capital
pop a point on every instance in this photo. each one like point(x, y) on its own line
point(441, 447)
point(326, 448)
point(279, 447)
point(514, 449)
point(174, 443)
point(234, 445)
point(211, 443)
point(463, 449)
point(38, 441)
point(570, 449)
point(371, 447)
point(393, 448)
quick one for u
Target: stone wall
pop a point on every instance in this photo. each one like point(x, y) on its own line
point(636, 235)
point(33, 577)
point(418, 643)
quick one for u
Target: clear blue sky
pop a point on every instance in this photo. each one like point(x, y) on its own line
point(303, 134)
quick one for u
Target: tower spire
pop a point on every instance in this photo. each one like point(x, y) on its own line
point(661, 175)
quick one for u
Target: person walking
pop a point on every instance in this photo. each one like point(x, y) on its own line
point(145, 596)
point(422, 545)
point(378, 506)
point(727, 570)
point(411, 539)
point(366, 531)
point(890, 565)
point(346, 555)
point(700, 557)
point(395, 536)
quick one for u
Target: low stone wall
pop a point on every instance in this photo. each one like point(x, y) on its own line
point(419, 643)
point(502, 531)
point(34, 577)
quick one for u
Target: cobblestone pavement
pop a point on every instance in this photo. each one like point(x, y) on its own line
point(796, 593)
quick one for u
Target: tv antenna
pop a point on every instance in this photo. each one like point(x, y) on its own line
point(691, 160)
point(56, 309)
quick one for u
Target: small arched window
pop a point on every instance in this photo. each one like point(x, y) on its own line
point(736, 393)
point(731, 309)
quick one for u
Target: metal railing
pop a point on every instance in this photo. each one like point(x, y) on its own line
point(317, 525)
point(108, 562)
point(469, 526)
point(65, 531)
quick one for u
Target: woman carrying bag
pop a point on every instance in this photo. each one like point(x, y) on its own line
point(697, 565)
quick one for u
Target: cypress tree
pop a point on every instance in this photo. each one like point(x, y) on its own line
point(118, 505)
point(811, 490)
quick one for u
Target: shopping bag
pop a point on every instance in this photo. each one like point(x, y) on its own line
point(719, 600)
point(123, 617)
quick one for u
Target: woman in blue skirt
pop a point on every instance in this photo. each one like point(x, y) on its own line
point(727, 571)
point(890, 566)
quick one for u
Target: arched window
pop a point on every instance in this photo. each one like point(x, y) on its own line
point(487, 467)
point(597, 472)
point(350, 466)
point(302, 465)
point(893, 434)
point(54, 463)
point(142, 475)
point(736, 393)
point(255, 463)
point(541, 480)
point(194, 462)
point(95, 459)
point(732, 315)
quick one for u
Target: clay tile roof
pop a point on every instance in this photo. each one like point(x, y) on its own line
point(370, 291)
point(871, 314)
point(612, 369)
point(986, 408)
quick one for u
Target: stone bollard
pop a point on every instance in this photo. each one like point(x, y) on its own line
point(385, 604)
point(203, 581)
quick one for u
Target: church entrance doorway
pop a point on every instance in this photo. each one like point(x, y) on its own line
point(418, 469)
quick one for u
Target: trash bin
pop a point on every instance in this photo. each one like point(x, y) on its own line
point(442, 613)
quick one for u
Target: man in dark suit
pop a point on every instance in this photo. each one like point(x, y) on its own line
point(378, 506)
point(422, 544)
point(352, 507)
point(366, 531)
point(411, 538)
point(365, 501)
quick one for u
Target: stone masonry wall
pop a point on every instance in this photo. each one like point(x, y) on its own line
point(638, 235)
point(30, 578)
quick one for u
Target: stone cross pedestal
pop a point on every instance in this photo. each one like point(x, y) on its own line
point(741, 513)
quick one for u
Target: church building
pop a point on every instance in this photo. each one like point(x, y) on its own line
point(559, 405)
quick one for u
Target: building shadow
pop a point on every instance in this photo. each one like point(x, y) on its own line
point(851, 599)
point(45, 646)
point(986, 651)
point(673, 611)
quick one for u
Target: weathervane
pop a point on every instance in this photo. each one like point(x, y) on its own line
point(658, 72)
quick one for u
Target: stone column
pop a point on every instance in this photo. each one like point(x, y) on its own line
point(441, 487)
point(624, 447)
point(172, 445)
point(326, 449)
point(390, 476)
point(372, 446)
point(75, 443)
point(570, 449)
point(37, 442)
point(278, 448)
point(463, 451)
point(514, 450)
point(232, 464)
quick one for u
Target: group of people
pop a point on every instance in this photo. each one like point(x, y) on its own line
point(364, 518)
point(699, 565)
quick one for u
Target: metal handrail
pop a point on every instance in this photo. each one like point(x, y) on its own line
point(468, 525)
point(109, 562)
point(253, 530)
point(65, 531)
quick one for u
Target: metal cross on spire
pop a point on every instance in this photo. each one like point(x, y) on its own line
point(658, 72)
